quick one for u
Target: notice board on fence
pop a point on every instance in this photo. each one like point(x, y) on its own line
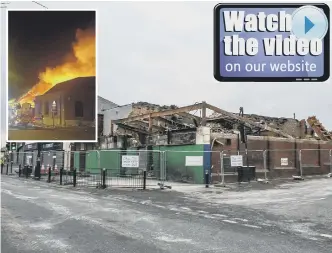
point(194, 160)
point(236, 160)
point(130, 161)
point(284, 161)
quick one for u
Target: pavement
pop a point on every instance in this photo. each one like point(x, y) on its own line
point(290, 217)
point(39, 133)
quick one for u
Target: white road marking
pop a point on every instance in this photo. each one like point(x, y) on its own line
point(146, 202)
point(209, 216)
point(169, 238)
point(240, 219)
point(230, 221)
point(53, 243)
point(266, 224)
point(185, 208)
point(313, 238)
point(22, 197)
point(159, 206)
point(175, 209)
point(219, 215)
point(326, 236)
point(250, 226)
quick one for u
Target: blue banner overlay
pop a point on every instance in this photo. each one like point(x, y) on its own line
point(255, 42)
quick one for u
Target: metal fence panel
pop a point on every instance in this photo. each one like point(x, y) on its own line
point(19, 159)
point(88, 180)
point(178, 169)
point(233, 161)
point(190, 166)
point(67, 177)
point(282, 163)
point(330, 156)
point(51, 161)
point(249, 158)
point(134, 179)
point(124, 168)
point(315, 161)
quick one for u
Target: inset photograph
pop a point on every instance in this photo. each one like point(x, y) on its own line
point(52, 85)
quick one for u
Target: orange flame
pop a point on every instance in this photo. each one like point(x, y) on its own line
point(83, 65)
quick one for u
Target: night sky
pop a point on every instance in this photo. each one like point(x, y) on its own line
point(39, 39)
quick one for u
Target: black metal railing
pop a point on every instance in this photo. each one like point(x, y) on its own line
point(86, 179)
point(66, 177)
point(128, 179)
point(96, 178)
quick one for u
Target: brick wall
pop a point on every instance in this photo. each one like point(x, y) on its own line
point(314, 161)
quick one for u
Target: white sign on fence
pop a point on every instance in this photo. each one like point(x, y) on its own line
point(194, 160)
point(284, 161)
point(130, 161)
point(236, 160)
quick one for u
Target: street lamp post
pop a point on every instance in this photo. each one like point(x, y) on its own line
point(53, 111)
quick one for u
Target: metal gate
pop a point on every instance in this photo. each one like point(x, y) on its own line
point(127, 168)
point(53, 159)
point(29, 159)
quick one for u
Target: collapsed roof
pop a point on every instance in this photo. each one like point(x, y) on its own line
point(149, 118)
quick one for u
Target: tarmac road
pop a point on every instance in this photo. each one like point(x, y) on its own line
point(38, 217)
point(66, 134)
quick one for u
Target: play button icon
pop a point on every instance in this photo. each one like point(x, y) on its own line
point(309, 22)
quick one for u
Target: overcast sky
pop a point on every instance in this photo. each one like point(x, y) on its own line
point(162, 53)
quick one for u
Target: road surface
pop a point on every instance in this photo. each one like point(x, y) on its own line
point(66, 134)
point(37, 217)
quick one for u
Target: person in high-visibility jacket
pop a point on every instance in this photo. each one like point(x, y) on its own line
point(2, 163)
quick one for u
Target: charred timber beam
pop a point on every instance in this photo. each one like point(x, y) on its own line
point(166, 121)
point(162, 113)
point(170, 122)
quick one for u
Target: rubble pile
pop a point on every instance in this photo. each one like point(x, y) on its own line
point(220, 123)
point(153, 107)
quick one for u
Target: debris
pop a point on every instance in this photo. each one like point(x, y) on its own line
point(162, 186)
point(171, 125)
point(219, 185)
point(265, 181)
point(298, 178)
point(329, 175)
point(319, 129)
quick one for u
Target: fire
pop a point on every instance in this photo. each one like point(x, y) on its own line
point(81, 65)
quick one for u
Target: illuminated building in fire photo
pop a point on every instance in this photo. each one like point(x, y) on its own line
point(51, 75)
